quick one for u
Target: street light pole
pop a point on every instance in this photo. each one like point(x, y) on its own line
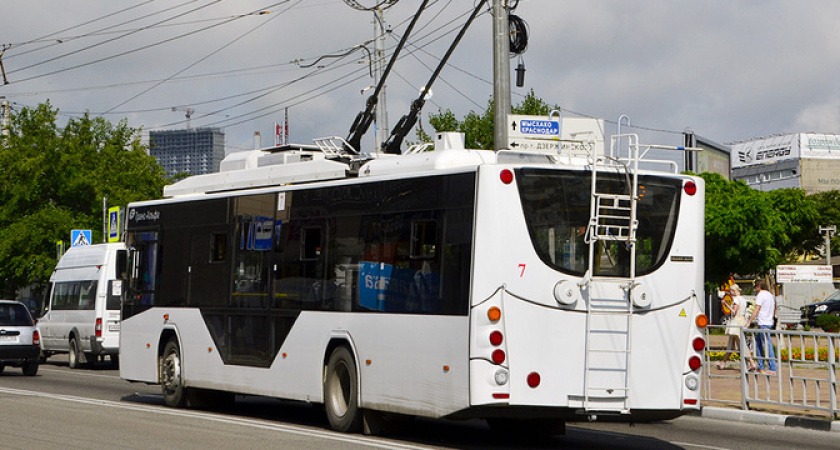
point(828, 232)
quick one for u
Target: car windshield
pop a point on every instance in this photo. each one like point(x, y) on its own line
point(14, 315)
point(833, 297)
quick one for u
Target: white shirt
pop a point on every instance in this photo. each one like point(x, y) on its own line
point(768, 308)
point(742, 306)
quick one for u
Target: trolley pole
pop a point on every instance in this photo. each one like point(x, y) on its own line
point(501, 74)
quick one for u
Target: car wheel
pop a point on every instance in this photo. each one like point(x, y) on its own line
point(30, 369)
point(2, 367)
point(76, 357)
point(341, 392)
point(172, 381)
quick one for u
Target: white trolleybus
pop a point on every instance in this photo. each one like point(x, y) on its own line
point(521, 288)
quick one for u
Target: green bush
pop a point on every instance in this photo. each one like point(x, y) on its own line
point(829, 323)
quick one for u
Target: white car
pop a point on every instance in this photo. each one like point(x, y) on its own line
point(20, 341)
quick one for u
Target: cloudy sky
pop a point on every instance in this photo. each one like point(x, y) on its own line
point(729, 70)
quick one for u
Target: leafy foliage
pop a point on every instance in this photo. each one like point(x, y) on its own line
point(829, 323)
point(53, 180)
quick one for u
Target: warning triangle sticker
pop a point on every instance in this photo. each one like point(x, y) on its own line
point(682, 313)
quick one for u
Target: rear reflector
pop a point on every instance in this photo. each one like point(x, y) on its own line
point(690, 401)
point(694, 362)
point(496, 338)
point(501, 395)
point(498, 356)
point(533, 379)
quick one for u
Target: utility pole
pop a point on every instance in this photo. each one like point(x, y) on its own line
point(5, 118)
point(828, 232)
point(382, 129)
point(501, 74)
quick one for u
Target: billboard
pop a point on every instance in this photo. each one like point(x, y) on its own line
point(765, 150)
point(819, 146)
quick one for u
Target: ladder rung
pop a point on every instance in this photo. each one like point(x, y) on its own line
point(608, 388)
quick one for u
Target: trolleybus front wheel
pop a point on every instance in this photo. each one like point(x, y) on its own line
point(341, 392)
point(171, 380)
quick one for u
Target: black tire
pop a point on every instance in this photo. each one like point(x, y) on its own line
point(115, 361)
point(76, 356)
point(30, 369)
point(171, 377)
point(2, 367)
point(341, 392)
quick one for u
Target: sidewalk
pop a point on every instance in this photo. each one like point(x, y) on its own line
point(724, 390)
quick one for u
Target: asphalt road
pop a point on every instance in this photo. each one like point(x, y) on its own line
point(94, 408)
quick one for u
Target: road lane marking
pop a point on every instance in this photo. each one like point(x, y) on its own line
point(213, 417)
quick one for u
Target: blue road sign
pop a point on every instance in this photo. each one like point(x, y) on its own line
point(80, 237)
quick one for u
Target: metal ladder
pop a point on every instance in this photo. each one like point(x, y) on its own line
point(609, 319)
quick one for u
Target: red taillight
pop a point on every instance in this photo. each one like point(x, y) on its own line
point(496, 338)
point(690, 188)
point(506, 176)
point(499, 356)
point(533, 379)
point(699, 344)
point(36, 338)
point(98, 327)
point(694, 362)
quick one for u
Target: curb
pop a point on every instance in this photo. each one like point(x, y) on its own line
point(763, 418)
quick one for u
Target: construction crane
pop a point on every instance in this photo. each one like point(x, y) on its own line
point(188, 112)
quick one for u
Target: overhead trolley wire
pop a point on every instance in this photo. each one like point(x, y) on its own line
point(46, 37)
point(64, 55)
point(211, 53)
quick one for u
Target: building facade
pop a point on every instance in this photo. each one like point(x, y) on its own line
point(810, 161)
point(193, 151)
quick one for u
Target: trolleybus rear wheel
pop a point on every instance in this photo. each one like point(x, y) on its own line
point(171, 380)
point(341, 392)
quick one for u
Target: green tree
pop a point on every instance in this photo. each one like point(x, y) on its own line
point(52, 180)
point(799, 222)
point(478, 127)
point(827, 204)
point(743, 229)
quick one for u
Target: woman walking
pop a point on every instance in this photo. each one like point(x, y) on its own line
point(737, 320)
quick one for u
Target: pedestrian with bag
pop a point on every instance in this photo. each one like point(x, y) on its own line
point(737, 320)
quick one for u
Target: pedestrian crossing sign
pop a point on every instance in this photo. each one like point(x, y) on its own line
point(80, 237)
point(114, 224)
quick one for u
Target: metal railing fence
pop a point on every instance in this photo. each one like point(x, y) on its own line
point(806, 375)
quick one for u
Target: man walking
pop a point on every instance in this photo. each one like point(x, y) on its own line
point(765, 309)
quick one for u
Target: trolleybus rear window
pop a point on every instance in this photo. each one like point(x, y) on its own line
point(557, 210)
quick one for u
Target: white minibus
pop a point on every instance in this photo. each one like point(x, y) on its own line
point(82, 309)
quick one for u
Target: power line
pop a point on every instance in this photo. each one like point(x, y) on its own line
point(209, 55)
point(64, 55)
